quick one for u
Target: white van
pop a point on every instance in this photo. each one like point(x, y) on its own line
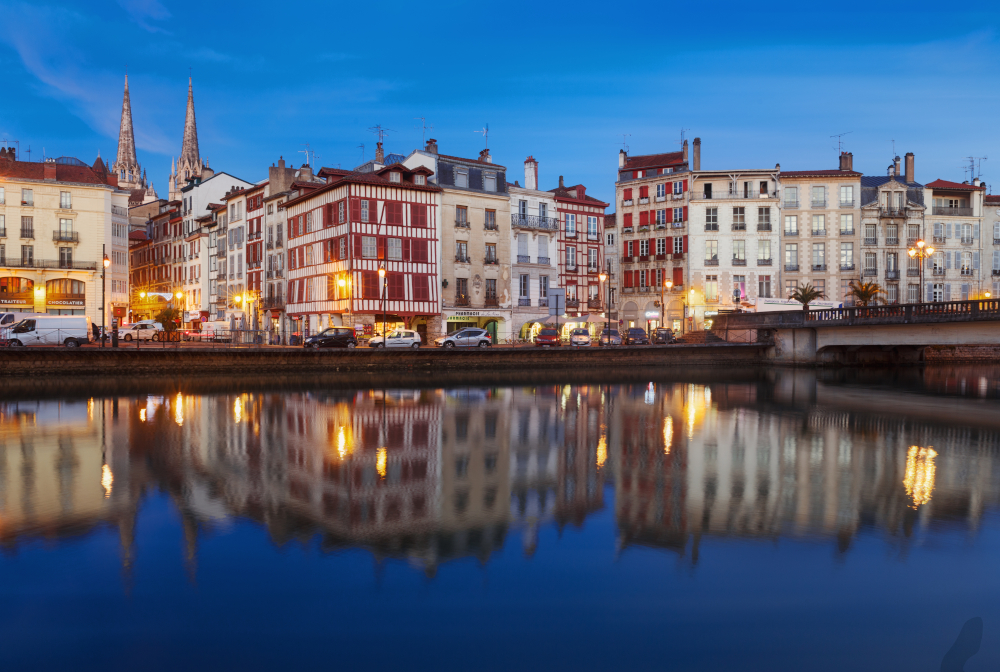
point(10, 319)
point(69, 330)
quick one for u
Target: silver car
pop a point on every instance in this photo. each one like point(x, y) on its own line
point(470, 337)
point(579, 337)
point(398, 338)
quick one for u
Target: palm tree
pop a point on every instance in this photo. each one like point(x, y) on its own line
point(806, 294)
point(865, 293)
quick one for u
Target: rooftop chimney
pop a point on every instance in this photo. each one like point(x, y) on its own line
point(684, 151)
point(530, 173)
point(895, 169)
point(697, 154)
point(560, 182)
point(846, 161)
point(379, 153)
point(50, 169)
point(621, 158)
point(909, 167)
point(432, 146)
point(976, 182)
point(485, 156)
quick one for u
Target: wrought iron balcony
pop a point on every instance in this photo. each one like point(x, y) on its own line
point(869, 272)
point(847, 204)
point(952, 212)
point(543, 260)
point(461, 258)
point(3, 232)
point(572, 303)
point(712, 262)
point(66, 236)
point(273, 302)
point(967, 241)
point(966, 271)
point(791, 205)
point(819, 232)
point(890, 211)
point(462, 299)
point(847, 267)
point(791, 267)
point(913, 272)
point(462, 223)
point(739, 262)
point(739, 226)
point(892, 274)
point(871, 241)
point(791, 232)
point(819, 267)
point(490, 261)
point(543, 302)
point(524, 258)
point(763, 227)
point(818, 203)
point(892, 241)
point(763, 262)
point(847, 232)
point(938, 270)
point(27, 233)
point(11, 262)
point(524, 301)
point(491, 302)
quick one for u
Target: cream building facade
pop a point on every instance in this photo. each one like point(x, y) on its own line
point(957, 227)
point(534, 233)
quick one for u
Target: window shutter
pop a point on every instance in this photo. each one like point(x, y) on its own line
point(947, 292)
point(685, 213)
point(975, 230)
point(635, 278)
point(628, 279)
point(685, 243)
point(975, 260)
point(996, 260)
point(357, 247)
point(627, 195)
point(947, 259)
point(644, 218)
point(685, 187)
point(928, 292)
point(635, 174)
point(355, 210)
point(948, 234)
point(381, 247)
point(628, 219)
point(406, 249)
point(678, 276)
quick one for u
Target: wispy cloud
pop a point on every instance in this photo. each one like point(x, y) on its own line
point(143, 12)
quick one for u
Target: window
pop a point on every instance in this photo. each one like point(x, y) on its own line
point(791, 197)
point(711, 250)
point(913, 293)
point(711, 288)
point(490, 181)
point(763, 219)
point(661, 246)
point(491, 220)
point(819, 225)
point(65, 227)
point(739, 219)
point(3, 197)
point(712, 219)
point(461, 288)
point(870, 262)
point(870, 234)
point(592, 264)
point(818, 196)
point(966, 233)
point(571, 257)
point(791, 225)
point(462, 177)
point(791, 256)
point(644, 247)
point(394, 176)
point(740, 287)
point(938, 292)
point(491, 253)
point(270, 208)
point(570, 225)
point(592, 227)
point(543, 286)
point(609, 239)
point(65, 200)
point(740, 250)
point(65, 257)
point(678, 187)
point(661, 191)
point(847, 195)
point(764, 286)
point(364, 210)
point(341, 212)
point(27, 227)
point(820, 286)
point(461, 215)
point(369, 285)
point(27, 197)
point(764, 250)
point(395, 248)
point(524, 286)
point(892, 261)
point(491, 288)
point(27, 255)
point(847, 256)
point(462, 251)
point(847, 224)
point(419, 180)
point(819, 256)
point(369, 247)
point(679, 215)
point(627, 194)
point(418, 216)
point(790, 287)
point(678, 245)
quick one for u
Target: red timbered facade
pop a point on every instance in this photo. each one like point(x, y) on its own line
point(255, 239)
point(340, 235)
point(581, 249)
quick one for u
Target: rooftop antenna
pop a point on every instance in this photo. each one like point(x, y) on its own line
point(840, 141)
point(380, 132)
point(486, 134)
point(681, 142)
point(423, 122)
point(894, 149)
point(29, 152)
point(362, 148)
point(972, 169)
point(311, 156)
point(625, 137)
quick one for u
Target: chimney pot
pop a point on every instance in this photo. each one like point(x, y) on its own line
point(49, 171)
point(485, 156)
point(697, 154)
point(560, 181)
point(530, 173)
point(846, 161)
point(909, 167)
point(621, 158)
point(432, 146)
point(379, 153)
point(897, 170)
point(685, 151)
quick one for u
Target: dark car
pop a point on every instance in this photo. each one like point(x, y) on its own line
point(334, 337)
point(636, 336)
point(548, 338)
point(663, 336)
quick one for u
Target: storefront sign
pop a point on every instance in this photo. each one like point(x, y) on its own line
point(16, 302)
point(652, 314)
point(66, 302)
point(466, 315)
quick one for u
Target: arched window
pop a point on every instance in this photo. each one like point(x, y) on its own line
point(65, 286)
point(16, 285)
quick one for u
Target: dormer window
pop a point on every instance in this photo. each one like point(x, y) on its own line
point(420, 180)
point(394, 177)
point(490, 181)
point(462, 177)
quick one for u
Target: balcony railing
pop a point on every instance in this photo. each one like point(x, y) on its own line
point(462, 299)
point(572, 303)
point(892, 274)
point(270, 244)
point(819, 232)
point(543, 302)
point(818, 203)
point(65, 237)
point(643, 200)
point(524, 258)
point(763, 227)
point(890, 211)
point(739, 262)
point(732, 195)
point(277, 242)
point(966, 271)
point(524, 301)
point(490, 261)
point(869, 272)
point(677, 225)
point(51, 263)
point(593, 303)
point(938, 239)
point(711, 262)
point(462, 223)
point(996, 272)
point(3, 232)
point(273, 303)
point(952, 212)
point(966, 241)
point(791, 267)
point(913, 272)
point(996, 241)
point(871, 241)
point(27, 233)
point(847, 204)
point(677, 256)
point(791, 205)
point(570, 265)
point(627, 201)
point(892, 241)
point(543, 260)
point(938, 271)
point(739, 226)
point(847, 232)
point(763, 262)
point(491, 301)
point(791, 232)
point(461, 258)
point(847, 267)
point(819, 267)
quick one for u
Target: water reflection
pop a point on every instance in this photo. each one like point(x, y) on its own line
point(428, 476)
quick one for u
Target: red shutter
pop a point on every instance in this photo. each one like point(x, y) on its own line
point(355, 210)
point(635, 174)
point(628, 194)
point(678, 276)
point(635, 278)
point(406, 249)
point(381, 247)
point(628, 248)
point(685, 243)
point(685, 185)
point(685, 213)
point(643, 192)
point(357, 247)
point(628, 219)
point(628, 279)
point(644, 218)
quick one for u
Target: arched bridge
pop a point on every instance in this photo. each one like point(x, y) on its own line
point(884, 333)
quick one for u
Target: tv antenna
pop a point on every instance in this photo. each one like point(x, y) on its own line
point(29, 152)
point(7, 142)
point(423, 122)
point(625, 137)
point(683, 130)
point(362, 148)
point(486, 134)
point(380, 132)
point(894, 149)
point(311, 156)
point(975, 170)
point(840, 141)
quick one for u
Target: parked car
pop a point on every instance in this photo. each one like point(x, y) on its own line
point(334, 337)
point(663, 336)
point(610, 337)
point(141, 331)
point(579, 337)
point(398, 338)
point(69, 330)
point(548, 338)
point(636, 336)
point(470, 337)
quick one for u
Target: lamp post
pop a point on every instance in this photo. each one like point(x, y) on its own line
point(921, 251)
point(381, 275)
point(667, 285)
point(104, 289)
point(344, 284)
point(603, 277)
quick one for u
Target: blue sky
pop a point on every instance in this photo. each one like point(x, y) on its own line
point(560, 82)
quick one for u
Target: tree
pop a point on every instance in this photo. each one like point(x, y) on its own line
point(167, 317)
point(865, 293)
point(806, 294)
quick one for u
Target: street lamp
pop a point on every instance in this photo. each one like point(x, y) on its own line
point(104, 294)
point(921, 251)
point(603, 277)
point(343, 284)
point(381, 275)
point(667, 284)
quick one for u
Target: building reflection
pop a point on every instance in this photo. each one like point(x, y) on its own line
point(431, 476)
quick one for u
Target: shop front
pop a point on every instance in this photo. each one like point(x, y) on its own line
point(630, 314)
point(493, 321)
point(17, 295)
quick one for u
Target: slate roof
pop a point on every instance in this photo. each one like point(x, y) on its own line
point(479, 161)
point(819, 173)
point(879, 180)
point(954, 186)
point(871, 183)
point(653, 160)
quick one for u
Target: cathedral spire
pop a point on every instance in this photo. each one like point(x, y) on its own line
point(126, 160)
point(189, 147)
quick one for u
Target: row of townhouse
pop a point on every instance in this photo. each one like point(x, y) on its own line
point(693, 242)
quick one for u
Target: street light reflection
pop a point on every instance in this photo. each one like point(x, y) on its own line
point(107, 478)
point(179, 410)
point(381, 458)
point(920, 472)
point(237, 410)
point(668, 434)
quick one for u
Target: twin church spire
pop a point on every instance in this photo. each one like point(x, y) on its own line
point(130, 174)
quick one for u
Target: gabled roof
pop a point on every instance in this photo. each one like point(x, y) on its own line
point(563, 192)
point(653, 160)
point(818, 173)
point(350, 177)
point(954, 186)
point(138, 235)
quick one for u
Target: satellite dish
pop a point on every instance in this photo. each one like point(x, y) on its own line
point(297, 173)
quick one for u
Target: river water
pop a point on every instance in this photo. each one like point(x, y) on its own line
point(754, 520)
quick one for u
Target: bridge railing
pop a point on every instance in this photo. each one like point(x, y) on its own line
point(911, 313)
